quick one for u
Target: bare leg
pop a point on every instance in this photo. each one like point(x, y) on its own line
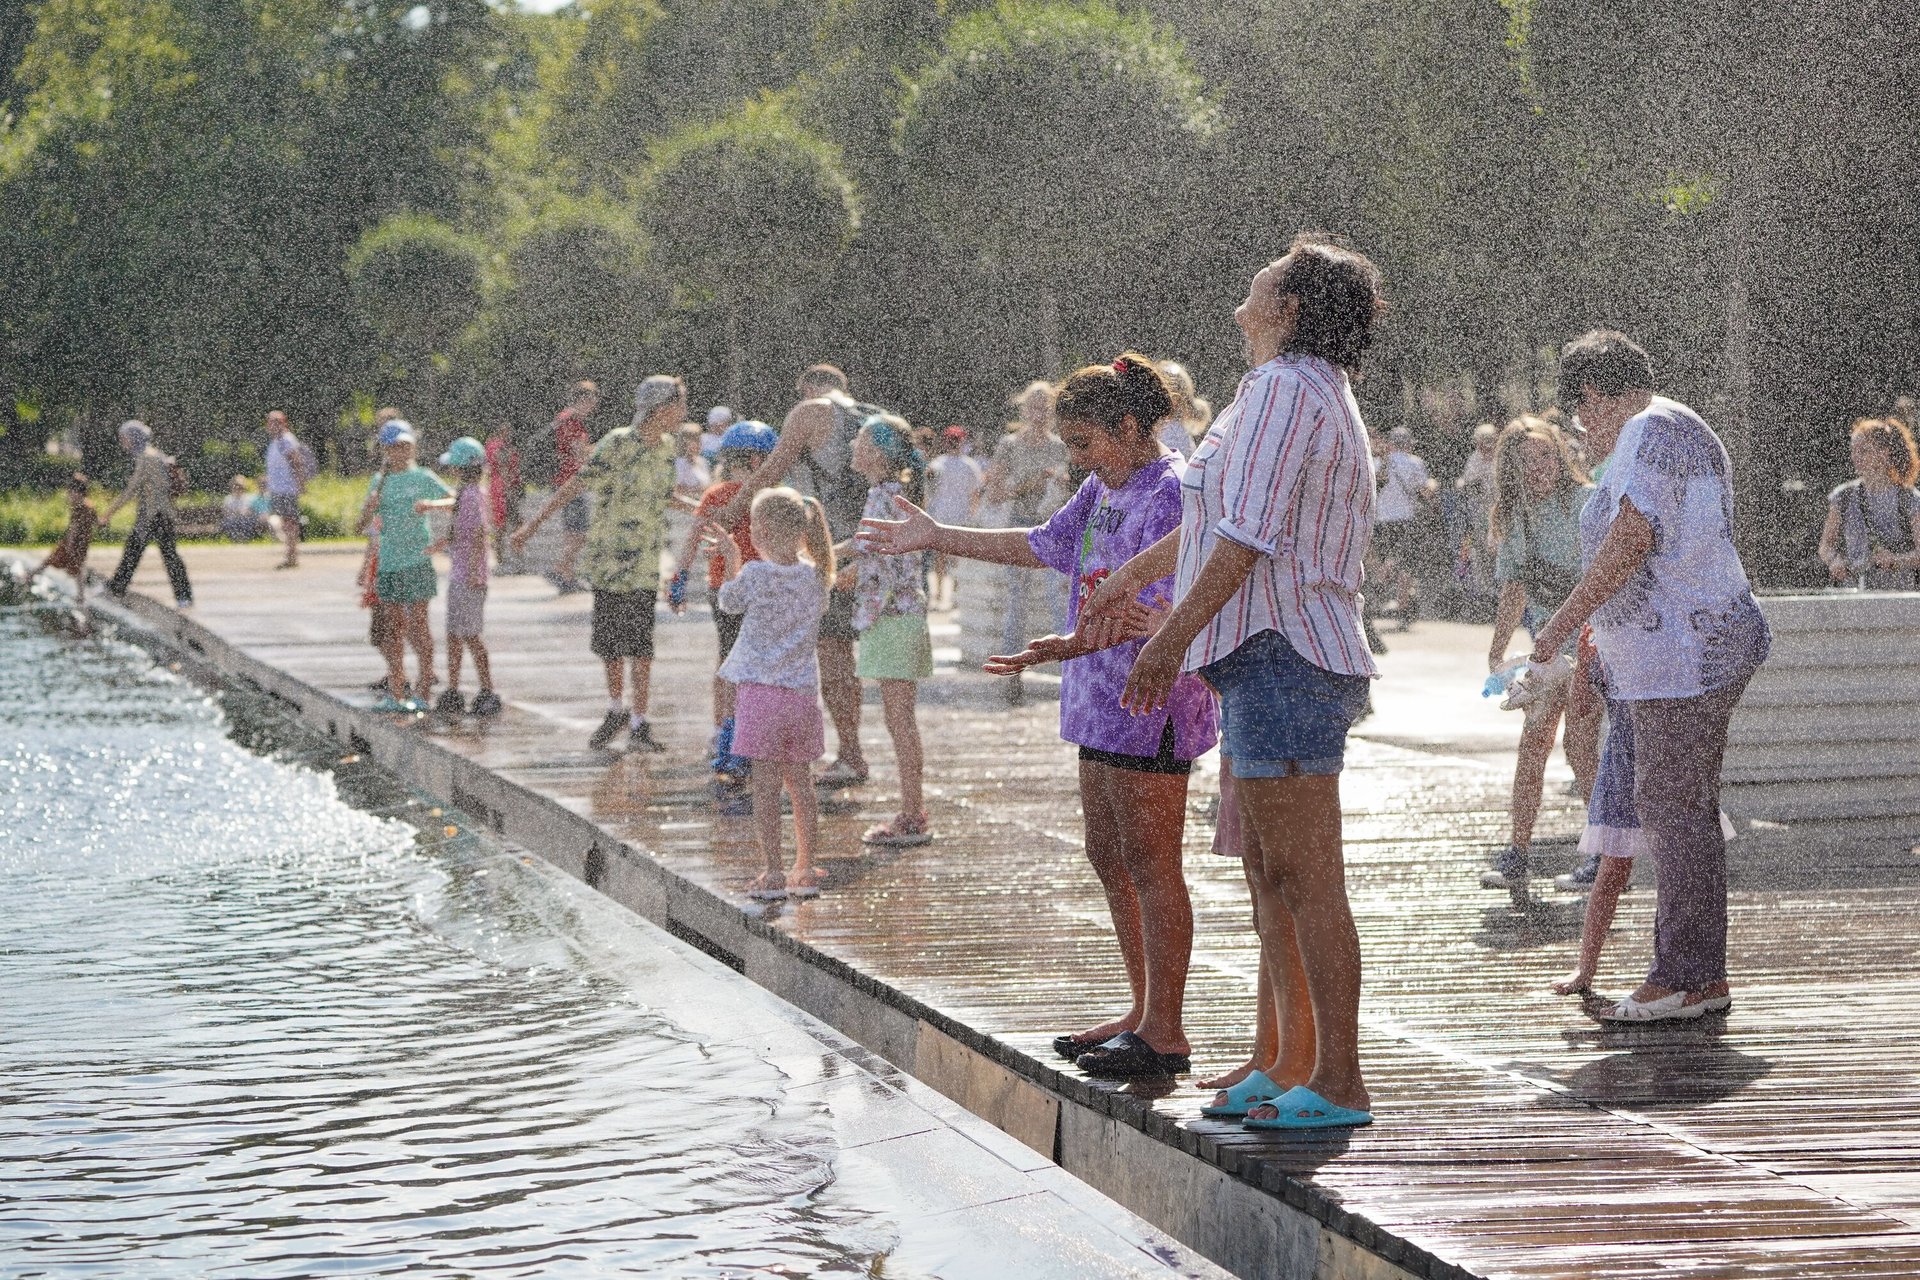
point(1297, 824)
point(1266, 1020)
point(903, 726)
point(642, 681)
point(1602, 900)
point(393, 647)
point(766, 821)
point(421, 637)
point(1582, 741)
point(616, 679)
point(806, 819)
point(1151, 812)
point(290, 532)
point(482, 667)
point(1295, 1044)
point(454, 646)
point(1107, 852)
point(1530, 769)
point(840, 690)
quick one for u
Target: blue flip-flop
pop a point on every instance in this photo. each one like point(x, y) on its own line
point(1243, 1097)
point(1302, 1108)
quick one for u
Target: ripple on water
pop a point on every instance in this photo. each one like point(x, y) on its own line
point(248, 1029)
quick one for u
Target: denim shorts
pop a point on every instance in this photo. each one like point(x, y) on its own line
point(1281, 716)
point(577, 515)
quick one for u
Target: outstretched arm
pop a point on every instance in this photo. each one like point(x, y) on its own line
point(918, 531)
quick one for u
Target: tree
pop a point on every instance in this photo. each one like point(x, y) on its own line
point(749, 215)
point(417, 288)
point(1044, 139)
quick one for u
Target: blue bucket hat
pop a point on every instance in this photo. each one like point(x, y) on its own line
point(752, 435)
point(399, 431)
point(464, 452)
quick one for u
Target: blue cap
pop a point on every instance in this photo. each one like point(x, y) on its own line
point(464, 452)
point(399, 431)
point(756, 436)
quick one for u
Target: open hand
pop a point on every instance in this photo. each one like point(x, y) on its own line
point(1150, 683)
point(1042, 650)
point(914, 531)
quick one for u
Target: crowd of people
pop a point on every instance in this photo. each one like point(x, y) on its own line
point(1212, 570)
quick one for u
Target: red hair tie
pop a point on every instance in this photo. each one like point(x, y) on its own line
point(1120, 365)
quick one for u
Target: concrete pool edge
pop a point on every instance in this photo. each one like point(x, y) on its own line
point(1181, 1180)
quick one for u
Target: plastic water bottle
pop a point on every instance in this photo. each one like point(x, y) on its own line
point(1501, 678)
point(677, 589)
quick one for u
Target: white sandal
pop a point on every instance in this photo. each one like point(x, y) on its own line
point(1667, 1008)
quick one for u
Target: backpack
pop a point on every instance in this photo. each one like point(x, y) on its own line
point(540, 459)
point(176, 480)
point(305, 465)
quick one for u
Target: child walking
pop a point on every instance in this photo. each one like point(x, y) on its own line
point(69, 555)
point(466, 547)
point(890, 615)
point(775, 673)
point(402, 493)
point(1133, 769)
point(506, 489)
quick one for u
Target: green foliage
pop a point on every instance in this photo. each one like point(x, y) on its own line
point(33, 517)
point(1035, 136)
point(416, 282)
point(752, 203)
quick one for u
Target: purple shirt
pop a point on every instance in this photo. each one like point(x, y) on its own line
point(468, 535)
point(1099, 530)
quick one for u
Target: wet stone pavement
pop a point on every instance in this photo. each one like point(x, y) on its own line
point(1514, 1135)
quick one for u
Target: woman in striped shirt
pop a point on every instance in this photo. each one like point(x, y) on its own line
point(1277, 511)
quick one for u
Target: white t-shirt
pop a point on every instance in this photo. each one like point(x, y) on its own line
point(1406, 479)
point(781, 604)
point(1686, 623)
point(955, 478)
point(690, 474)
point(1173, 434)
point(282, 481)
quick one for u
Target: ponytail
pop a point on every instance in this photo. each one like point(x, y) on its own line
point(819, 541)
point(1108, 394)
point(892, 435)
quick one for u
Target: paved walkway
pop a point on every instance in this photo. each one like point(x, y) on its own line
point(1515, 1136)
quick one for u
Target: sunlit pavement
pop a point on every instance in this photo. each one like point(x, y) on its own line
point(1515, 1136)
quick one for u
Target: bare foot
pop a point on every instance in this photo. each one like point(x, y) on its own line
point(1577, 983)
point(1108, 1030)
point(1228, 1079)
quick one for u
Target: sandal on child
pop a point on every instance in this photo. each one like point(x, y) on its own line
point(1071, 1047)
point(840, 774)
point(1127, 1056)
point(1667, 1008)
point(1238, 1099)
point(763, 890)
point(807, 884)
point(904, 831)
point(1302, 1108)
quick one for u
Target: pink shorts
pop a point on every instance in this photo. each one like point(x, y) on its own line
point(776, 724)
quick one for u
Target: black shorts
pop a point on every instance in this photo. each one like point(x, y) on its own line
point(728, 625)
point(1398, 541)
point(623, 624)
point(1164, 762)
point(837, 622)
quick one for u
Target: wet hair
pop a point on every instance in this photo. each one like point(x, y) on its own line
point(79, 482)
point(135, 435)
point(1108, 394)
point(824, 377)
point(385, 414)
point(1510, 496)
point(654, 394)
point(1340, 299)
point(1192, 407)
point(893, 436)
point(1605, 359)
point(784, 508)
point(1895, 440)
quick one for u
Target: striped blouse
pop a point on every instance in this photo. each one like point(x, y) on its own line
point(1284, 471)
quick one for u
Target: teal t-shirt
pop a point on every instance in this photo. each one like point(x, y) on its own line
point(404, 532)
point(1549, 530)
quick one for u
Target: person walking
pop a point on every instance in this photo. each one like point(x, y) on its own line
point(1027, 464)
point(565, 454)
point(1276, 512)
point(954, 480)
point(151, 490)
point(630, 474)
point(290, 468)
point(816, 449)
point(1678, 634)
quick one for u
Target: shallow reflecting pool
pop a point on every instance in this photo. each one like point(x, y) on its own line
point(250, 1028)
